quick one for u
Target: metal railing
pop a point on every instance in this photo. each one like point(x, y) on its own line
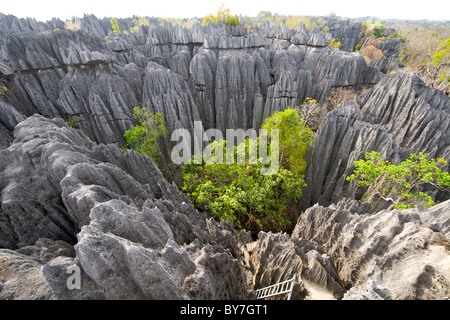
point(276, 289)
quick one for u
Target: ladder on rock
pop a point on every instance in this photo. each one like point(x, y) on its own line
point(277, 289)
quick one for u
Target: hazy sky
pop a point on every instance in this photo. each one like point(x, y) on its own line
point(383, 9)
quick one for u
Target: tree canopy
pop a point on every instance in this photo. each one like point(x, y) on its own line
point(222, 15)
point(144, 136)
point(239, 193)
point(400, 184)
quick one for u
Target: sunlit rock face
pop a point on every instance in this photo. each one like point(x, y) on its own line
point(135, 236)
point(72, 199)
point(397, 117)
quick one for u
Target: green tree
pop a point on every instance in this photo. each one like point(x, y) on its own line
point(425, 52)
point(144, 136)
point(222, 15)
point(400, 184)
point(379, 30)
point(441, 60)
point(335, 43)
point(115, 25)
point(265, 15)
point(295, 137)
point(239, 192)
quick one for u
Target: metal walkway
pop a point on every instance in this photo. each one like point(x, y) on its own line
point(276, 289)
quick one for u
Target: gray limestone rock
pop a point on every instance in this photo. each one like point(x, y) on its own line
point(21, 278)
point(397, 117)
point(387, 254)
point(68, 202)
point(135, 236)
point(274, 258)
point(346, 30)
point(391, 49)
point(231, 78)
point(312, 37)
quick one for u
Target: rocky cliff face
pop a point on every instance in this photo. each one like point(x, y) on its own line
point(390, 61)
point(228, 78)
point(386, 255)
point(69, 203)
point(397, 117)
point(73, 200)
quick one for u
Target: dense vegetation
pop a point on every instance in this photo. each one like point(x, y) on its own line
point(238, 192)
point(426, 52)
point(400, 184)
point(144, 137)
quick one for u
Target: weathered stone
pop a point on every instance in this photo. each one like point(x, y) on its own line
point(232, 78)
point(391, 49)
point(397, 117)
point(392, 251)
point(274, 258)
point(137, 236)
point(21, 278)
point(68, 202)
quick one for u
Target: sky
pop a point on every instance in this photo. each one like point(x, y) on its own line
point(384, 9)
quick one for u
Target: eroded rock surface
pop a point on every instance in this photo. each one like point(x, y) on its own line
point(388, 254)
point(278, 257)
point(72, 199)
point(135, 235)
point(226, 78)
point(397, 117)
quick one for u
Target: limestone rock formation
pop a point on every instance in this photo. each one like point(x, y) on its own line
point(73, 200)
point(391, 49)
point(397, 117)
point(135, 235)
point(227, 78)
point(388, 254)
point(21, 278)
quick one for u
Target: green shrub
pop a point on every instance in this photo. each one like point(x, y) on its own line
point(239, 192)
point(335, 43)
point(295, 137)
point(399, 183)
point(72, 122)
point(231, 21)
point(144, 136)
point(222, 15)
point(379, 30)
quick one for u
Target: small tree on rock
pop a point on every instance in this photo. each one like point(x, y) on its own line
point(144, 136)
point(400, 184)
point(222, 15)
point(115, 25)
